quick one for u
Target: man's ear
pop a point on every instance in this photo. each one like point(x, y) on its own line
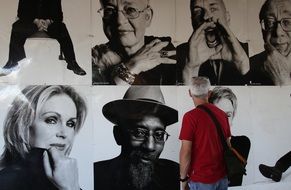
point(209, 93)
point(190, 93)
point(118, 135)
point(149, 16)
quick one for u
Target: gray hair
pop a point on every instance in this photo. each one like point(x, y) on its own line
point(219, 93)
point(200, 87)
point(21, 116)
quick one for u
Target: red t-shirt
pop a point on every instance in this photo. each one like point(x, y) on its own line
point(207, 164)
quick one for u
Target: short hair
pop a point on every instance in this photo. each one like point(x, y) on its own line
point(102, 4)
point(219, 93)
point(200, 87)
point(264, 8)
point(21, 116)
point(193, 1)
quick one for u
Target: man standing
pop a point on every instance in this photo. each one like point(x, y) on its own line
point(273, 66)
point(140, 120)
point(130, 57)
point(202, 166)
point(212, 50)
point(45, 16)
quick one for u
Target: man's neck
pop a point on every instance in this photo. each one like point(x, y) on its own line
point(199, 101)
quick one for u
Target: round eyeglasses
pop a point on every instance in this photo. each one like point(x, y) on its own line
point(129, 12)
point(140, 134)
point(269, 24)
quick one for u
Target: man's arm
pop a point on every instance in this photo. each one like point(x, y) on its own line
point(185, 161)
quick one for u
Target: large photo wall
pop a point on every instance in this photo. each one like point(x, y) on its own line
point(110, 71)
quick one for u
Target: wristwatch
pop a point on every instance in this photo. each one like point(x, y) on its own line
point(184, 179)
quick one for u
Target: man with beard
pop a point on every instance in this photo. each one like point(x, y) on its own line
point(212, 50)
point(273, 66)
point(140, 119)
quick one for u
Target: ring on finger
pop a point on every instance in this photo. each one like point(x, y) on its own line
point(163, 53)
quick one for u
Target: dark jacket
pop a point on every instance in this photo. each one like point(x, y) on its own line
point(26, 174)
point(28, 10)
point(257, 74)
point(113, 174)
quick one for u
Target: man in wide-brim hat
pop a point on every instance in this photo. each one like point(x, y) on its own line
point(140, 120)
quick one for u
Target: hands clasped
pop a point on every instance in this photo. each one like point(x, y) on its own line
point(42, 24)
point(150, 56)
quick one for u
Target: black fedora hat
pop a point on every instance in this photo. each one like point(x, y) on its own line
point(139, 101)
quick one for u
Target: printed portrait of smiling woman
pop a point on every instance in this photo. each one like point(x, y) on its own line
point(39, 132)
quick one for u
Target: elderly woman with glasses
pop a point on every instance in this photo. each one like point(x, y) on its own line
point(130, 57)
point(39, 132)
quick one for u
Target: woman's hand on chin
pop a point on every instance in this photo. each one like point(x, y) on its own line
point(62, 171)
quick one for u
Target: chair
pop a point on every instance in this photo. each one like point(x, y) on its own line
point(42, 34)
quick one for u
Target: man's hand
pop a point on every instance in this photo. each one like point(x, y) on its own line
point(276, 65)
point(62, 171)
point(199, 52)
point(150, 56)
point(232, 51)
point(42, 24)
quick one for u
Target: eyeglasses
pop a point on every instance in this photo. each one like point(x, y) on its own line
point(141, 134)
point(270, 24)
point(128, 12)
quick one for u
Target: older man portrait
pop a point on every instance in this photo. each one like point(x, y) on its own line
point(212, 50)
point(130, 57)
point(140, 120)
point(273, 65)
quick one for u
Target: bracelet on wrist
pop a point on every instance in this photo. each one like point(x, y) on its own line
point(122, 72)
point(184, 179)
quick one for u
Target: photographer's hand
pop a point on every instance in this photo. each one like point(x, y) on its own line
point(62, 171)
point(232, 51)
point(199, 52)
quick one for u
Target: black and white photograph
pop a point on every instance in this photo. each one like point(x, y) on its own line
point(39, 126)
point(212, 47)
point(139, 131)
point(131, 55)
point(45, 38)
point(270, 37)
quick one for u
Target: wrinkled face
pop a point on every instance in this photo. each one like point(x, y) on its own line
point(54, 124)
point(145, 139)
point(205, 9)
point(226, 105)
point(280, 39)
point(129, 32)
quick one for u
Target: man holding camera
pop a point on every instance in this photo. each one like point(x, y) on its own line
point(212, 50)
